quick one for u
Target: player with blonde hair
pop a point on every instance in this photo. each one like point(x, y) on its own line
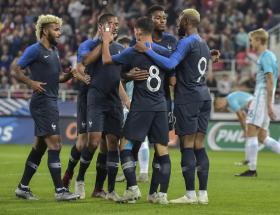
point(192, 101)
point(261, 108)
point(42, 60)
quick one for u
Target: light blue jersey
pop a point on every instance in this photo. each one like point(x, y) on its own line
point(238, 100)
point(267, 63)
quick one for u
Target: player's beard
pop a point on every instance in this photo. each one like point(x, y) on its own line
point(115, 35)
point(52, 39)
point(181, 32)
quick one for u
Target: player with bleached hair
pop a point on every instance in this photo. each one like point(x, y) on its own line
point(192, 101)
point(43, 61)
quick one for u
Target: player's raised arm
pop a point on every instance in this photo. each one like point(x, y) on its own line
point(107, 38)
point(176, 57)
point(89, 51)
point(93, 55)
point(122, 58)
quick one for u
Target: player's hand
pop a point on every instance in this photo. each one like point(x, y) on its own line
point(215, 54)
point(37, 86)
point(106, 34)
point(271, 113)
point(137, 74)
point(140, 47)
point(83, 77)
point(87, 79)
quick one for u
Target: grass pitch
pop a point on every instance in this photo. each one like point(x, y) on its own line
point(227, 194)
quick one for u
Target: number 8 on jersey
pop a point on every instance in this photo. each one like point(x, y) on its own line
point(154, 73)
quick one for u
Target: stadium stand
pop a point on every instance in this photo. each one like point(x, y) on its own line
point(224, 25)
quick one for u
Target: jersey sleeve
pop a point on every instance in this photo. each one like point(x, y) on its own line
point(267, 64)
point(182, 49)
point(85, 48)
point(124, 57)
point(29, 55)
point(161, 50)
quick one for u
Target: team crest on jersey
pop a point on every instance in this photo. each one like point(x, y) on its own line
point(90, 123)
point(83, 124)
point(53, 126)
point(169, 47)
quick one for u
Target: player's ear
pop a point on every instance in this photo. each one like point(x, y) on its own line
point(45, 30)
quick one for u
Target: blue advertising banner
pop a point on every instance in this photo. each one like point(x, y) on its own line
point(16, 130)
point(20, 130)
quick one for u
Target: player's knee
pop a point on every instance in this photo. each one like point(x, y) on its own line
point(261, 137)
point(55, 146)
point(199, 145)
point(80, 147)
point(161, 149)
point(94, 141)
point(53, 142)
point(81, 142)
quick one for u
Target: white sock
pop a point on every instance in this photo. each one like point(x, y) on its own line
point(134, 187)
point(24, 186)
point(272, 144)
point(191, 194)
point(246, 151)
point(143, 157)
point(252, 143)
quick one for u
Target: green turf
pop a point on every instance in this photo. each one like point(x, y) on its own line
point(227, 194)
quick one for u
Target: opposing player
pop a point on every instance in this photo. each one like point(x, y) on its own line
point(43, 61)
point(238, 102)
point(147, 116)
point(261, 108)
point(192, 102)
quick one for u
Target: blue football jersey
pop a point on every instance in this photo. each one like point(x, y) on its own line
point(148, 95)
point(44, 65)
point(104, 78)
point(190, 59)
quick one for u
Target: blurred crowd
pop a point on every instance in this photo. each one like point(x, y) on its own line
point(224, 24)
